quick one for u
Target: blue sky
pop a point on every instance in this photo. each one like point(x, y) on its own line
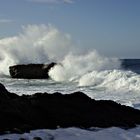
point(112, 27)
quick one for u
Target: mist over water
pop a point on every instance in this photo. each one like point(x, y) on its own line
point(45, 43)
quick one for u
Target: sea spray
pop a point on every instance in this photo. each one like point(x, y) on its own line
point(36, 44)
point(92, 69)
point(73, 67)
point(45, 43)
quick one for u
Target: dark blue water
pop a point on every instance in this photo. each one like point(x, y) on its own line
point(131, 64)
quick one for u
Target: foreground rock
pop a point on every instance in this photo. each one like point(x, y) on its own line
point(20, 114)
point(31, 71)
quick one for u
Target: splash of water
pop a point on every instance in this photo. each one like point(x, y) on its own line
point(41, 43)
point(73, 67)
point(36, 44)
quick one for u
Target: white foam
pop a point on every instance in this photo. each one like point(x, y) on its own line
point(74, 67)
point(112, 79)
point(79, 134)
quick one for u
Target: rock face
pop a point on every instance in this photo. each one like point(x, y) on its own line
point(49, 111)
point(31, 71)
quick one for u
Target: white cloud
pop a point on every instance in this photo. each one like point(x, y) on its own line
point(5, 21)
point(53, 1)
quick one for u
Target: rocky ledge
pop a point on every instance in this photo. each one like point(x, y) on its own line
point(20, 114)
point(31, 71)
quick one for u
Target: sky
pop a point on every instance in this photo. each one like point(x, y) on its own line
point(112, 27)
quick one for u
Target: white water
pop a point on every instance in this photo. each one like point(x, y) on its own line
point(75, 66)
point(80, 134)
point(97, 76)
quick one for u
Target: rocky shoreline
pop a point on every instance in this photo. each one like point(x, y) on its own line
point(19, 114)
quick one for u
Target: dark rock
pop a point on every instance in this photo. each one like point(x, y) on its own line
point(4, 93)
point(3, 89)
point(31, 71)
point(48, 111)
point(17, 131)
point(37, 138)
point(22, 139)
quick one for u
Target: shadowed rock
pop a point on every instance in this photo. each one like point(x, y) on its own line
point(31, 71)
point(50, 111)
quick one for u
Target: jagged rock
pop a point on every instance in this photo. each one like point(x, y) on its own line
point(31, 71)
point(48, 111)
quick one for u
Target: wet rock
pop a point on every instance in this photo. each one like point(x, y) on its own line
point(31, 71)
point(48, 111)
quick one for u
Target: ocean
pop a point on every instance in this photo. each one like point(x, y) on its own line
point(121, 85)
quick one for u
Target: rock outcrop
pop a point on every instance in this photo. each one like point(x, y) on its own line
point(48, 111)
point(31, 71)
